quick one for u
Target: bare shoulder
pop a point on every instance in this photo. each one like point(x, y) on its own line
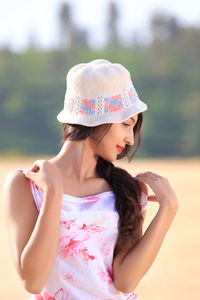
point(17, 192)
point(14, 179)
point(16, 186)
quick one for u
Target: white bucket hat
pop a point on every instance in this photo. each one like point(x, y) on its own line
point(99, 92)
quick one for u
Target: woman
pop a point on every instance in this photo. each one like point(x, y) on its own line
point(75, 221)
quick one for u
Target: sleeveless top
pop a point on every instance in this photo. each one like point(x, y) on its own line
point(82, 269)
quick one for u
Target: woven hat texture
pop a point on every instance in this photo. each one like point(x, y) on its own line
point(99, 92)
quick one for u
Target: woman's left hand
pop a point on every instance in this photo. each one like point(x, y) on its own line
point(164, 194)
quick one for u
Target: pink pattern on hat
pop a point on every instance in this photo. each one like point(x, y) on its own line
point(87, 106)
point(133, 95)
point(113, 103)
point(70, 104)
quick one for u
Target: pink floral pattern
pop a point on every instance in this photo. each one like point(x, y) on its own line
point(92, 198)
point(92, 228)
point(104, 275)
point(104, 249)
point(69, 276)
point(83, 262)
point(85, 256)
point(62, 295)
point(131, 295)
point(43, 296)
point(67, 224)
point(71, 247)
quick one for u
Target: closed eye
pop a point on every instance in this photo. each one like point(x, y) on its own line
point(127, 125)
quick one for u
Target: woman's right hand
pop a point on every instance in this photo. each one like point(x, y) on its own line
point(46, 176)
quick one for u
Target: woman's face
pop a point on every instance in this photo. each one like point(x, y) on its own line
point(117, 136)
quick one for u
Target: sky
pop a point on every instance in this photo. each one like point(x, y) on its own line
point(22, 19)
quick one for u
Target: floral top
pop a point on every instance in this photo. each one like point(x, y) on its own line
point(82, 269)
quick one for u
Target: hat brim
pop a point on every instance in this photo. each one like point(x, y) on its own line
point(110, 117)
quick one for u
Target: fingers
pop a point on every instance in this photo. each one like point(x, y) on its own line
point(148, 177)
point(154, 181)
point(160, 187)
point(28, 174)
point(31, 173)
point(148, 174)
point(144, 178)
point(38, 164)
point(35, 167)
point(152, 198)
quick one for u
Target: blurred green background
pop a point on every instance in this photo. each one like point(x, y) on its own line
point(165, 72)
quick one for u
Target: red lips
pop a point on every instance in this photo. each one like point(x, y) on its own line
point(120, 148)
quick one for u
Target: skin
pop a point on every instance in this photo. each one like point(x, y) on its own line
point(72, 171)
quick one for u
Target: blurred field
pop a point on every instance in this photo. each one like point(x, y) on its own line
point(175, 273)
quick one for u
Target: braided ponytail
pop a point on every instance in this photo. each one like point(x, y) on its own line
point(127, 193)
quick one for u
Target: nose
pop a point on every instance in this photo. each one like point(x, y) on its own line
point(130, 139)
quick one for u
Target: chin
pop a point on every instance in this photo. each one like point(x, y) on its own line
point(111, 159)
point(108, 157)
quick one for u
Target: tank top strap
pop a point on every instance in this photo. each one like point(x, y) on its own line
point(143, 201)
point(37, 194)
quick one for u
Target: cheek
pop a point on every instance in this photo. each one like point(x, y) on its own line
point(107, 146)
point(104, 145)
point(104, 148)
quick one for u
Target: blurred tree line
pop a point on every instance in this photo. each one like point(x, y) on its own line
point(165, 72)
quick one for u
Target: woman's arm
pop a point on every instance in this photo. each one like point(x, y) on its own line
point(128, 269)
point(33, 238)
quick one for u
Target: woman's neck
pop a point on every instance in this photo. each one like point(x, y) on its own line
point(77, 160)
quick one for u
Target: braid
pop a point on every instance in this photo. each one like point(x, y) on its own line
point(127, 193)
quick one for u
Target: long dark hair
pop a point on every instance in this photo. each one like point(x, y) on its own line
point(127, 190)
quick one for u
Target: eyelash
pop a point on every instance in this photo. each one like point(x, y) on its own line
point(127, 125)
